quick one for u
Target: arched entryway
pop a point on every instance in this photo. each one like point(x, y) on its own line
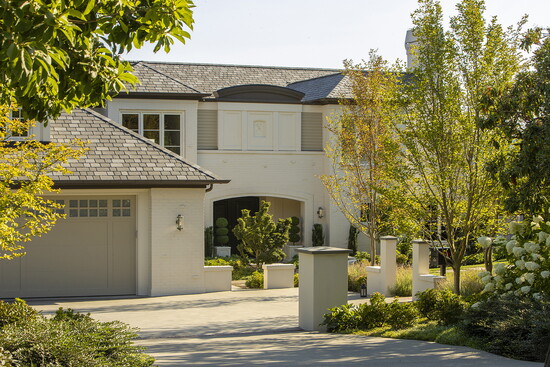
point(231, 209)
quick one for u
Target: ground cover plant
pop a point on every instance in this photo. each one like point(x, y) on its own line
point(69, 338)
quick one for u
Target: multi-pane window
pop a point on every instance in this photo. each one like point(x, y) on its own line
point(22, 132)
point(162, 128)
point(92, 208)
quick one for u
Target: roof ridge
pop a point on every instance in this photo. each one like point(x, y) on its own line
point(152, 144)
point(236, 65)
point(168, 76)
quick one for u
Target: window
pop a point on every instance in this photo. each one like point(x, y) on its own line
point(162, 128)
point(23, 131)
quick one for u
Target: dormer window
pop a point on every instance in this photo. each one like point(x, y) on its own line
point(163, 128)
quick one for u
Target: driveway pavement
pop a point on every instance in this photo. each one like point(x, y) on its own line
point(259, 327)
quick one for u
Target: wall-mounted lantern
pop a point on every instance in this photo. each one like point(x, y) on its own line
point(320, 212)
point(179, 222)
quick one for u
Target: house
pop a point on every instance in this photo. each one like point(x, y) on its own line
point(151, 156)
point(120, 235)
point(260, 127)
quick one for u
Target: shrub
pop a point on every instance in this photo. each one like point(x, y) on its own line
point(363, 255)
point(357, 275)
point(441, 305)
point(296, 280)
point(402, 315)
point(221, 222)
point(241, 269)
point(369, 316)
point(260, 236)
point(352, 239)
point(511, 326)
point(401, 259)
point(16, 312)
point(527, 253)
point(473, 259)
point(403, 282)
point(317, 235)
point(208, 241)
point(72, 339)
point(221, 232)
point(404, 251)
point(255, 280)
point(341, 318)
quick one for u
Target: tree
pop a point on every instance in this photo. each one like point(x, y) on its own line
point(363, 148)
point(447, 189)
point(61, 54)
point(260, 236)
point(58, 55)
point(522, 113)
point(24, 179)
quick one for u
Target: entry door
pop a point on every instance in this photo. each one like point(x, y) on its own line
point(91, 252)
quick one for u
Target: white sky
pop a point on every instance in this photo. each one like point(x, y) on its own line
point(313, 33)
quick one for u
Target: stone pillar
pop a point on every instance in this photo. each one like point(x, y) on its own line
point(381, 278)
point(421, 277)
point(323, 283)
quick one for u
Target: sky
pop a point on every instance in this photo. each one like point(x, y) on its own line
point(313, 33)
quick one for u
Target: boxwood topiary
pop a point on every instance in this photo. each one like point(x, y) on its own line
point(221, 222)
point(221, 231)
point(294, 231)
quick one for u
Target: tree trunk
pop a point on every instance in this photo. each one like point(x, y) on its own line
point(547, 361)
point(456, 274)
point(489, 259)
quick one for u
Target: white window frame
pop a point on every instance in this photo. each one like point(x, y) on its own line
point(140, 131)
point(20, 118)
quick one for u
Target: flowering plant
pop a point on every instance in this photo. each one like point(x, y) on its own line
point(527, 253)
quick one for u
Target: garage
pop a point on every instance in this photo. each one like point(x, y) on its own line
point(92, 252)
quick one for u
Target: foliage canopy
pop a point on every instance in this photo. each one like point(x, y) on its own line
point(63, 54)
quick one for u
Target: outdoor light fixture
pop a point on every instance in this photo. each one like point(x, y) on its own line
point(179, 222)
point(363, 290)
point(320, 212)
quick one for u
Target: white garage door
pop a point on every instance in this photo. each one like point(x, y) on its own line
point(90, 253)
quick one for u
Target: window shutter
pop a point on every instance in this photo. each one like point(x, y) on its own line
point(207, 130)
point(312, 131)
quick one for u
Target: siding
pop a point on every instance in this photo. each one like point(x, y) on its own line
point(207, 130)
point(312, 131)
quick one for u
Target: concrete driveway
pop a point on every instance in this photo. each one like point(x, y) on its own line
point(259, 327)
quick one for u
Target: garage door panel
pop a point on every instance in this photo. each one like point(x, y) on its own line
point(10, 275)
point(79, 257)
point(124, 273)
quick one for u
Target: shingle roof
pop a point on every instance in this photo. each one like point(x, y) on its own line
point(119, 157)
point(208, 78)
point(333, 86)
point(153, 81)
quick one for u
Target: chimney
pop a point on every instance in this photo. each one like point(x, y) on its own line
point(410, 41)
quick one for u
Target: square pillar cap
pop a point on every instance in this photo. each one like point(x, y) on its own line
point(419, 241)
point(388, 238)
point(323, 250)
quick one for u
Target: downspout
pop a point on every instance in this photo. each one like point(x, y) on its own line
point(208, 189)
